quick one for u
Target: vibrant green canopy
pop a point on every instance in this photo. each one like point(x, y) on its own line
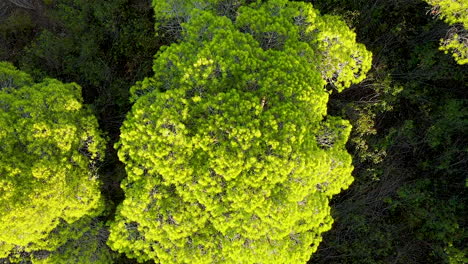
point(50, 146)
point(229, 155)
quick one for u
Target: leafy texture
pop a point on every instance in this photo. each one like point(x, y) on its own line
point(344, 62)
point(229, 156)
point(455, 13)
point(171, 14)
point(86, 244)
point(50, 146)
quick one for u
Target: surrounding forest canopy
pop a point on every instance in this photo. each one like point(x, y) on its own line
point(233, 131)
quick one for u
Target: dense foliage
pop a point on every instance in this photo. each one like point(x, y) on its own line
point(50, 146)
point(408, 141)
point(228, 155)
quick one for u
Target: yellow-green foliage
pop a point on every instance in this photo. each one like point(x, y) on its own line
point(343, 61)
point(457, 43)
point(50, 144)
point(229, 155)
point(11, 77)
point(454, 12)
point(86, 244)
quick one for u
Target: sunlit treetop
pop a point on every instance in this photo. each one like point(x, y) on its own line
point(280, 24)
point(229, 154)
point(50, 146)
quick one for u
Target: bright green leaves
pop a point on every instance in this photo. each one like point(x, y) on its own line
point(50, 145)
point(228, 154)
point(12, 78)
point(280, 24)
point(452, 11)
point(455, 13)
point(345, 62)
point(457, 44)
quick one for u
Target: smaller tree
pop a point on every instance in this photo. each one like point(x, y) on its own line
point(48, 175)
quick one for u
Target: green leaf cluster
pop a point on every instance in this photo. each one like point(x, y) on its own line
point(454, 12)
